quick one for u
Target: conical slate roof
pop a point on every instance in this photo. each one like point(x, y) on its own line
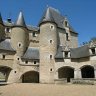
point(47, 16)
point(1, 22)
point(20, 21)
point(53, 15)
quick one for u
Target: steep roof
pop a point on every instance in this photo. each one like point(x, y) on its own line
point(80, 52)
point(59, 53)
point(54, 15)
point(1, 21)
point(6, 45)
point(47, 16)
point(76, 53)
point(20, 20)
point(31, 53)
point(34, 28)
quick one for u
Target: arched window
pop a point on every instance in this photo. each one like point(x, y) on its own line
point(66, 72)
point(30, 77)
point(87, 71)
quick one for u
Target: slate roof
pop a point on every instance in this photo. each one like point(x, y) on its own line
point(47, 16)
point(20, 21)
point(34, 28)
point(6, 45)
point(80, 52)
point(76, 53)
point(31, 53)
point(53, 15)
point(6, 23)
point(59, 53)
point(29, 27)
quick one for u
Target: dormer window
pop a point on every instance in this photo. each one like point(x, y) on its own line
point(7, 30)
point(66, 54)
point(66, 24)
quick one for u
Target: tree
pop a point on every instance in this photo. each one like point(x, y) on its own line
point(92, 40)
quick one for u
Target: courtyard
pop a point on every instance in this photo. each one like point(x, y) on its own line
point(32, 89)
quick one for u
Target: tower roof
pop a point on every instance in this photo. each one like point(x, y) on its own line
point(53, 15)
point(1, 21)
point(20, 20)
point(47, 16)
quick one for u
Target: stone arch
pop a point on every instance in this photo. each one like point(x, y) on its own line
point(87, 71)
point(66, 72)
point(30, 77)
point(4, 73)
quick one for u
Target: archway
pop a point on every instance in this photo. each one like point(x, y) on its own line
point(87, 71)
point(66, 72)
point(4, 73)
point(30, 77)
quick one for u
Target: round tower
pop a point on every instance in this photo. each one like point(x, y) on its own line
point(48, 47)
point(20, 36)
point(2, 33)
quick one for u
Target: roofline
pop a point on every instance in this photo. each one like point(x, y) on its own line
point(46, 22)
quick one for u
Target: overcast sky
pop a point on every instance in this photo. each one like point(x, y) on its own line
point(81, 13)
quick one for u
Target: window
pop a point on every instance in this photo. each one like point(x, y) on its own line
point(93, 50)
point(66, 54)
point(50, 41)
point(14, 71)
point(51, 69)
point(7, 29)
point(26, 62)
point(66, 24)
point(19, 44)
point(50, 56)
point(34, 34)
point(67, 37)
point(17, 58)
point(3, 56)
point(34, 62)
point(52, 27)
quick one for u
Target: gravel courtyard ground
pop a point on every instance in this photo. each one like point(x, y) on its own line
point(29, 89)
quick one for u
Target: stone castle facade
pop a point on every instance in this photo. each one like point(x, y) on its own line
point(48, 53)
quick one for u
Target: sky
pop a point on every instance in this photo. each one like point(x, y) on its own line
point(80, 13)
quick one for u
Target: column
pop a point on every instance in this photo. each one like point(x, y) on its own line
point(95, 50)
point(56, 75)
point(95, 72)
point(77, 73)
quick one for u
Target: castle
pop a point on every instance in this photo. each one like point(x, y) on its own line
point(48, 53)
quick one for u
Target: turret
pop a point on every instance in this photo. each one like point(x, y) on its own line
point(2, 33)
point(20, 36)
point(48, 47)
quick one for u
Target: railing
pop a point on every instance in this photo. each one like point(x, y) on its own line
point(89, 81)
